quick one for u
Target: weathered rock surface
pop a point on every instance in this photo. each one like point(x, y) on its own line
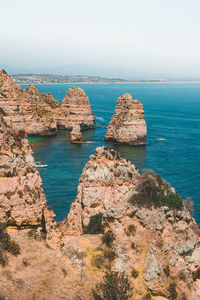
point(157, 243)
point(155, 240)
point(127, 125)
point(22, 199)
point(40, 114)
point(76, 134)
point(27, 110)
point(75, 109)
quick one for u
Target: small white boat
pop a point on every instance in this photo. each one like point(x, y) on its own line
point(161, 139)
point(41, 166)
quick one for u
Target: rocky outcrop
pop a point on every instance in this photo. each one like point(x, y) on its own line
point(127, 125)
point(76, 134)
point(40, 114)
point(75, 109)
point(27, 110)
point(22, 199)
point(143, 231)
point(156, 241)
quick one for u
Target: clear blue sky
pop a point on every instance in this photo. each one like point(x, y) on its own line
point(158, 37)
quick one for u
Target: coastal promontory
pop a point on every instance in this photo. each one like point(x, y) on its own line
point(40, 114)
point(127, 125)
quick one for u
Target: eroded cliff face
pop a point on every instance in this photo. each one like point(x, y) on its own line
point(40, 114)
point(157, 242)
point(27, 110)
point(144, 230)
point(75, 109)
point(22, 199)
point(127, 125)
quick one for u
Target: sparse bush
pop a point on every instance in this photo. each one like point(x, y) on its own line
point(149, 192)
point(95, 224)
point(108, 238)
point(172, 291)
point(13, 248)
point(132, 229)
point(133, 245)
point(159, 243)
point(182, 275)
point(188, 204)
point(114, 287)
point(4, 241)
point(134, 273)
point(196, 274)
point(98, 261)
point(109, 254)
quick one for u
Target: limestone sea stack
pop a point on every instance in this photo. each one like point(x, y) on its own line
point(76, 134)
point(75, 109)
point(127, 125)
point(22, 199)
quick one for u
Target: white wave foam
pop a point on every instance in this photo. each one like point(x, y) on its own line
point(101, 119)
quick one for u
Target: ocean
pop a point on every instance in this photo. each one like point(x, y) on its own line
point(172, 114)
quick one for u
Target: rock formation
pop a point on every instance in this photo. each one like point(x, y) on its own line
point(143, 233)
point(27, 110)
point(76, 134)
point(127, 125)
point(157, 242)
point(40, 114)
point(75, 109)
point(22, 199)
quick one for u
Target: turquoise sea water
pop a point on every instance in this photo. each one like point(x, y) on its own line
point(172, 112)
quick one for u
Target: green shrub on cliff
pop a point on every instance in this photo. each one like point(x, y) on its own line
point(153, 190)
point(115, 286)
point(95, 224)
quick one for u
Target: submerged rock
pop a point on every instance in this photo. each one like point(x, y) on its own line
point(127, 125)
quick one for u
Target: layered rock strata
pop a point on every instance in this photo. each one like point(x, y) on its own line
point(76, 134)
point(144, 232)
point(22, 199)
point(127, 125)
point(157, 242)
point(75, 109)
point(27, 110)
point(40, 114)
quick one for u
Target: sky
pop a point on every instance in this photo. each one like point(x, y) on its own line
point(148, 38)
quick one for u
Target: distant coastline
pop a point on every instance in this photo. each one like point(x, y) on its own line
point(44, 79)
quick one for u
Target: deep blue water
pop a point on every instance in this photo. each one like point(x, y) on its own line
point(172, 111)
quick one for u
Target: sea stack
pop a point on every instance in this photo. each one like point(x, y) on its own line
point(22, 199)
point(76, 134)
point(75, 109)
point(127, 125)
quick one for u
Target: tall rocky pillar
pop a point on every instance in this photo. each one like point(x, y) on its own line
point(75, 109)
point(127, 125)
